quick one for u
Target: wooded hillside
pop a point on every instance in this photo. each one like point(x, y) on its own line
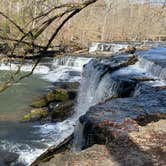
point(108, 20)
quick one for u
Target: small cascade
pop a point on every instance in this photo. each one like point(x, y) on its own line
point(70, 61)
point(31, 140)
point(153, 68)
point(154, 62)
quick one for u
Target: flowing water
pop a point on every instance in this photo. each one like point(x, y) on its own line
point(97, 84)
point(30, 140)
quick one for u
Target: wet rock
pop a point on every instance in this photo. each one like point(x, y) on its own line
point(72, 94)
point(118, 117)
point(118, 61)
point(61, 110)
point(7, 158)
point(35, 114)
point(57, 95)
point(146, 147)
point(130, 50)
point(53, 95)
point(143, 79)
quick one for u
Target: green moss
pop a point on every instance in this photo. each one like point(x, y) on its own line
point(41, 102)
point(35, 115)
point(58, 95)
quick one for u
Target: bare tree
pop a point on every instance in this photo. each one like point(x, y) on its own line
point(41, 15)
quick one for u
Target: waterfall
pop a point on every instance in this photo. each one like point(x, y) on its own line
point(97, 85)
point(153, 68)
point(153, 62)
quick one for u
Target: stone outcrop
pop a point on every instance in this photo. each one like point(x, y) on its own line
point(146, 147)
point(126, 113)
point(118, 117)
point(56, 105)
point(54, 95)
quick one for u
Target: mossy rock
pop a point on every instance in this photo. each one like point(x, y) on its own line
point(62, 110)
point(35, 114)
point(57, 95)
point(40, 102)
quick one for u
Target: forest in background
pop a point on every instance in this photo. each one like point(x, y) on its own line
point(108, 20)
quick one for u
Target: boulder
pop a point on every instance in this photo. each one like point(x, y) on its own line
point(118, 117)
point(130, 50)
point(35, 114)
point(40, 102)
point(54, 95)
point(57, 95)
point(61, 110)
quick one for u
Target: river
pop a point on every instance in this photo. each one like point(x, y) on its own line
point(97, 84)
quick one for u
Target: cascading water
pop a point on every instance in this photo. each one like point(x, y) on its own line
point(99, 84)
point(76, 62)
point(153, 63)
point(31, 140)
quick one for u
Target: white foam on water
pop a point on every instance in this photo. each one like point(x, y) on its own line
point(62, 73)
point(109, 47)
point(51, 134)
point(152, 68)
point(40, 69)
point(76, 62)
point(26, 153)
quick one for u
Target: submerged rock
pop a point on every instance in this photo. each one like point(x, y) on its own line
point(7, 158)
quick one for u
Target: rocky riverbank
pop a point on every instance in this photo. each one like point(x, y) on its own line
point(119, 94)
point(56, 105)
point(124, 122)
point(146, 147)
